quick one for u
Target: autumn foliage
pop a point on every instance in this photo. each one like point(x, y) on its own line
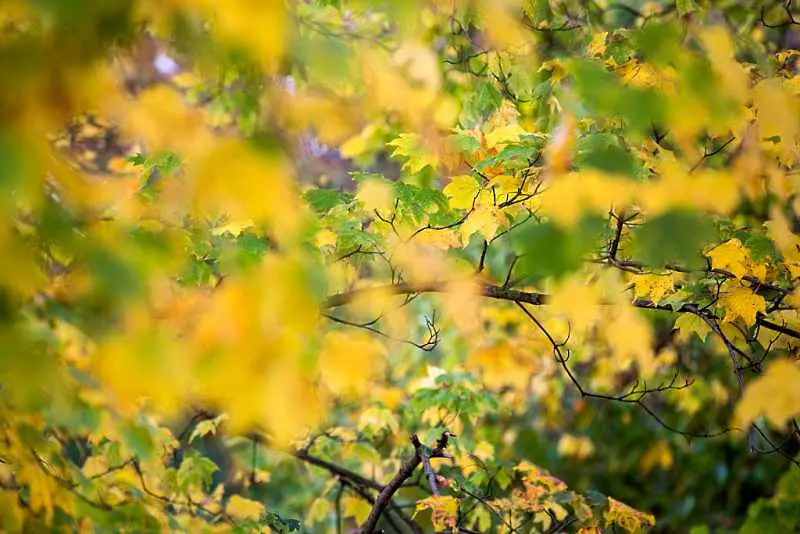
point(399, 266)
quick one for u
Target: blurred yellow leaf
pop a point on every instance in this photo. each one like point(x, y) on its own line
point(235, 179)
point(578, 447)
point(774, 395)
point(325, 238)
point(241, 508)
point(375, 195)
point(356, 507)
point(659, 455)
point(559, 152)
point(776, 115)
point(349, 362)
point(318, 511)
point(578, 301)
point(719, 45)
point(259, 25)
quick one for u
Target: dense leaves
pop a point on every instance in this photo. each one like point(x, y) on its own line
point(420, 265)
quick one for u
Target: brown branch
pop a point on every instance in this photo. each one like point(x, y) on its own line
point(430, 474)
point(339, 471)
point(517, 296)
point(487, 290)
point(406, 470)
point(562, 361)
point(621, 220)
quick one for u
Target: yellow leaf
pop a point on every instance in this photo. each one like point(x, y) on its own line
point(505, 184)
point(419, 64)
point(360, 143)
point(259, 25)
point(717, 42)
point(653, 287)
point(689, 323)
point(349, 362)
point(375, 195)
point(578, 301)
point(325, 238)
point(355, 507)
point(462, 191)
point(163, 120)
point(774, 395)
point(742, 302)
point(498, 366)
point(485, 220)
point(776, 114)
point(631, 339)
point(578, 447)
point(626, 517)
point(503, 135)
point(11, 511)
point(234, 228)
point(241, 508)
point(377, 419)
point(411, 146)
point(444, 510)
point(658, 455)
point(318, 511)
point(597, 45)
point(731, 256)
point(501, 24)
point(237, 180)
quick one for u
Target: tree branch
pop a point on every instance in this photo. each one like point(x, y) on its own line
point(517, 296)
point(406, 470)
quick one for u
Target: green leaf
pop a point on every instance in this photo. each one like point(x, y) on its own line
point(760, 246)
point(677, 236)
point(548, 250)
point(658, 42)
point(603, 94)
point(605, 152)
point(203, 428)
point(195, 471)
point(139, 440)
point(323, 200)
point(540, 11)
point(686, 7)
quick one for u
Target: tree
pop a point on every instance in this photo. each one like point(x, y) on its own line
point(508, 266)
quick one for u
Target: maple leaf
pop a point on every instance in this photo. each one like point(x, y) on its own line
point(503, 135)
point(688, 324)
point(653, 287)
point(355, 507)
point(241, 508)
point(462, 191)
point(484, 220)
point(742, 302)
point(444, 510)
point(411, 147)
point(375, 195)
point(731, 256)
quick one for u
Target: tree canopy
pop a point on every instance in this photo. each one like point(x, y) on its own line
point(404, 266)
